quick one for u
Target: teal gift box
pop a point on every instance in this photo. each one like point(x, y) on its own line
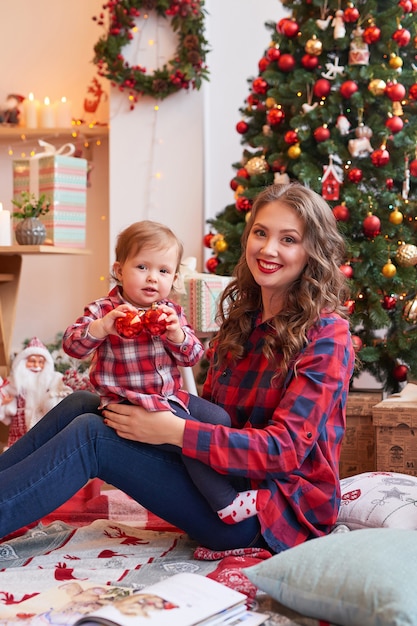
point(63, 180)
point(200, 300)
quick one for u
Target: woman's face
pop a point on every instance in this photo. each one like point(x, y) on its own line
point(275, 252)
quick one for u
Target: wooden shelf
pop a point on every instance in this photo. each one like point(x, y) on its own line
point(44, 249)
point(16, 132)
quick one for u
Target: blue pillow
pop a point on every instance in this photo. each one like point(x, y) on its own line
point(364, 577)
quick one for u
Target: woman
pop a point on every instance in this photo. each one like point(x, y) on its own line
point(283, 360)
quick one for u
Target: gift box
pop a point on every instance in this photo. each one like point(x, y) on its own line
point(358, 452)
point(201, 299)
point(63, 180)
point(395, 422)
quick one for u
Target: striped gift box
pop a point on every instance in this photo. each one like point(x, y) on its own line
point(201, 300)
point(63, 179)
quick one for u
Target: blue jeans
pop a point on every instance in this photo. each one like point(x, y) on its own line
point(71, 444)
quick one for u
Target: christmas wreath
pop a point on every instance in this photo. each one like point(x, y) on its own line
point(184, 71)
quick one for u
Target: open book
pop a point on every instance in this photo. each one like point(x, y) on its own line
point(181, 600)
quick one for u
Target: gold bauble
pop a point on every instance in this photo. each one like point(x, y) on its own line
point(221, 246)
point(256, 165)
point(294, 151)
point(396, 217)
point(215, 240)
point(239, 190)
point(410, 310)
point(407, 255)
point(389, 270)
point(314, 46)
point(395, 62)
point(377, 86)
point(270, 102)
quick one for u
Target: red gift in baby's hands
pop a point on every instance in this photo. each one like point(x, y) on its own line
point(131, 325)
point(153, 322)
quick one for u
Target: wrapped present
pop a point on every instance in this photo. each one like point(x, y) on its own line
point(63, 180)
point(200, 299)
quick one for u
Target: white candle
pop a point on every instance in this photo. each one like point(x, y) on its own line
point(47, 114)
point(31, 109)
point(63, 117)
point(5, 227)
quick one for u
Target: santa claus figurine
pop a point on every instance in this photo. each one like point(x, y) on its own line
point(32, 389)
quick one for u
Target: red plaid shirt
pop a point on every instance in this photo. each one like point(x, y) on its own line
point(284, 438)
point(142, 370)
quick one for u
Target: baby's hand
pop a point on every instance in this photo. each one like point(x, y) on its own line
point(174, 331)
point(106, 325)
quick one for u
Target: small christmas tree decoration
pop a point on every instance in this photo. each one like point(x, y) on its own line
point(256, 165)
point(357, 343)
point(371, 226)
point(377, 86)
point(400, 373)
point(389, 302)
point(410, 311)
point(341, 212)
point(355, 175)
point(131, 325)
point(347, 270)
point(242, 127)
point(380, 157)
point(389, 270)
point(314, 46)
point(406, 255)
point(348, 88)
point(394, 123)
point(396, 217)
point(395, 61)
point(395, 91)
point(154, 321)
point(351, 14)
point(359, 49)
point(211, 264)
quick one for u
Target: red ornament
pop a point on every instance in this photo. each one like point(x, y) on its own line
point(291, 137)
point(243, 173)
point(242, 127)
point(347, 270)
point(341, 212)
point(400, 373)
point(350, 306)
point(260, 86)
point(322, 88)
point(234, 184)
point(252, 100)
point(380, 157)
point(389, 183)
point(275, 116)
point(413, 91)
point(413, 167)
point(263, 64)
point(402, 36)
point(207, 240)
point(357, 343)
point(322, 133)
point(286, 63)
point(389, 302)
point(395, 91)
point(355, 175)
point(131, 325)
point(350, 15)
point(371, 34)
point(153, 322)
point(309, 61)
point(348, 88)
point(371, 226)
point(287, 27)
point(211, 264)
point(414, 5)
point(394, 124)
point(273, 53)
point(406, 5)
point(243, 204)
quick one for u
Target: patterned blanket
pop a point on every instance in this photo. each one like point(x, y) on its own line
point(109, 539)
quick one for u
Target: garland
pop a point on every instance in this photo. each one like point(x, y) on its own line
point(184, 71)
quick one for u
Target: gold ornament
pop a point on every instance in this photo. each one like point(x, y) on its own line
point(294, 151)
point(377, 86)
point(215, 239)
point(396, 217)
point(395, 62)
point(239, 190)
point(410, 310)
point(256, 165)
point(407, 255)
point(247, 216)
point(221, 246)
point(314, 46)
point(270, 102)
point(389, 270)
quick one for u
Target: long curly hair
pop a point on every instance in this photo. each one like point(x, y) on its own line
point(321, 286)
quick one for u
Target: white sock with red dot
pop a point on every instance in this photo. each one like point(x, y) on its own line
point(246, 504)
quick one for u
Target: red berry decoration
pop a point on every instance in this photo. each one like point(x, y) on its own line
point(242, 127)
point(413, 167)
point(260, 86)
point(286, 63)
point(351, 15)
point(309, 61)
point(131, 325)
point(322, 88)
point(211, 264)
point(341, 212)
point(380, 157)
point(348, 88)
point(355, 175)
point(371, 34)
point(394, 124)
point(322, 133)
point(395, 91)
point(402, 36)
point(400, 373)
point(153, 322)
point(371, 226)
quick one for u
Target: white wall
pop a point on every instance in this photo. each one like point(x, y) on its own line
point(173, 165)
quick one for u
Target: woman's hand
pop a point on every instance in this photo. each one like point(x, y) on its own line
point(138, 424)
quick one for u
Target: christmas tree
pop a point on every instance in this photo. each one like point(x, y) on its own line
point(334, 106)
